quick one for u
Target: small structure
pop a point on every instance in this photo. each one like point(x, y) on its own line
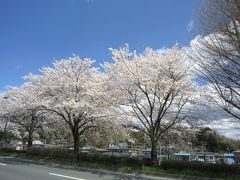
point(146, 153)
point(228, 158)
point(237, 156)
point(219, 158)
point(199, 157)
point(208, 157)
point(183, 156)
point(118, 150)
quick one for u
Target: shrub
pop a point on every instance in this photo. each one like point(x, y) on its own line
point(51, 152)
point(58, 153)
point(200, 166)
point(11, 150)
point(108, 159)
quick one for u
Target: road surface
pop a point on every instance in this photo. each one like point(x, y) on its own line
point(13, 169)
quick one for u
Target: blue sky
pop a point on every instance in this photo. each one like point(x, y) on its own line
point(35, 32)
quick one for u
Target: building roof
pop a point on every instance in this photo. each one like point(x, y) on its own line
point(182, 154)
point(119, 146)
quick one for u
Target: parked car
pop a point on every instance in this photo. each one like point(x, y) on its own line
point(87, 150)
point(37, 144)
point(16, 145)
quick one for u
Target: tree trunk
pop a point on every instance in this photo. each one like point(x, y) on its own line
point(153, 153)
point(76, 144)
point(1, 139)
point(30, 138)
point(3, 134)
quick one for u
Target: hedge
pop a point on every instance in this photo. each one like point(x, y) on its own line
point(11, 150)
point(66, 154)
point(51, 152)
point(200, 166)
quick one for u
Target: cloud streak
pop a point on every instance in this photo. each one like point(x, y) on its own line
point(190, 25)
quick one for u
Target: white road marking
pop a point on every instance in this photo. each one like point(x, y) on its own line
point(2, 164)
point(68, 177)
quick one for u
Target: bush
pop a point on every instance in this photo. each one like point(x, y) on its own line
point(51, 152)
point(108, 159)
point(66, 154)
point(11, 150)
point(200, 166)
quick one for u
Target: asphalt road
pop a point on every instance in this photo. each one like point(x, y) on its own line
point(13, 169)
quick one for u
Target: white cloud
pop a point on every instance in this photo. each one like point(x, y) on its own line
point(162, 50)
point(210, 115)
point(227, 127)
point(190, 25)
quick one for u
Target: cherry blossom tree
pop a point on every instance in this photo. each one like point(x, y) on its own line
point(5, 123)
point(153, 89)
point(24, 110)
point(76, 92)
point(102, 137)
